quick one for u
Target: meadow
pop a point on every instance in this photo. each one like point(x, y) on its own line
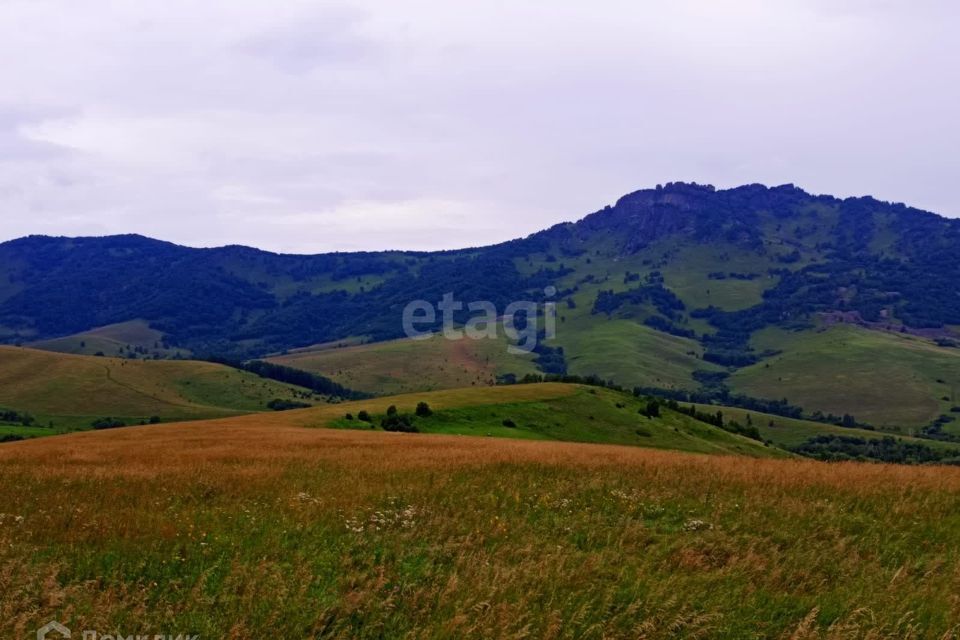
point(70, 391)
point(254, 527)
point(568, 413)
point(404, 366)
point(886, 379)
point(115, 340)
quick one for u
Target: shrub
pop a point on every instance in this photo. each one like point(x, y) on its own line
point(349, 416)
point(107, 423)
point(424, 410)
point(399, 422)
point(363, 416)
point(652, 410)
point(279, 404)
point(509, 423)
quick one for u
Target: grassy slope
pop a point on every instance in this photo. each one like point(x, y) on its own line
point(402, 366)
point(789, 432)
point(551, 412)
point(71, 391)
point(112, 340)
point(242, 528)
point(630, 353)
point(885, 379)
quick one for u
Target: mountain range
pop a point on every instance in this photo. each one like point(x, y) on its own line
point(833, 306)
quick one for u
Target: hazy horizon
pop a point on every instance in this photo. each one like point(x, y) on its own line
point(215, 245)
point(364, 125)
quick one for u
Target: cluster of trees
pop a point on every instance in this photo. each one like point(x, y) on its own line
point(16, 417)
point(550, 360)
point(534, 378)
point(723, 275)
point(283, 404)
point(298, 377)
point(935, 431)
point(716, 419)
point(107, 423)
point(116, 423)
point(723, 396)
point(662, 324)
point(396, 421)
point(885, 449)
point(664, 300)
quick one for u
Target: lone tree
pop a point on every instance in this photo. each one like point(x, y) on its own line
point(652, 410)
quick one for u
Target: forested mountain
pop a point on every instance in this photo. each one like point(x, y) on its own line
point(707, 283)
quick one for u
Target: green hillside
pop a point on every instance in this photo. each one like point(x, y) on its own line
point(887, 379)
point(133, 339)
point(553, 412)
point(72, 391)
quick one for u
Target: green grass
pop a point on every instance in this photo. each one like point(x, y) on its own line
point(72, 391)
point(791, 432)
point(26, 432)
point(889, 380)
point(687, 272)
point(630, 353)
point(589, 415)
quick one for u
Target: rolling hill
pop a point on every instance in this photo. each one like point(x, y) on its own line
point(132, 339)
point(549, 411)
point(402, 366)
point(266, 529)
point(839, 306)
point(70, 391)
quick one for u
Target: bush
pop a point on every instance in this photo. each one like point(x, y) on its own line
point(107, 423)
point(392, 410)
point(424, 410)
point(509, 423)
point(349, 416)
point(399, 422)
point(364, 416)
point(652, 410)
point(279, 404)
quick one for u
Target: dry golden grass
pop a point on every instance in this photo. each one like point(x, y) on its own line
point(402, 366)
point(252, 527)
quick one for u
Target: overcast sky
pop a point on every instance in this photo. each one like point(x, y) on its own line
point(316, 126)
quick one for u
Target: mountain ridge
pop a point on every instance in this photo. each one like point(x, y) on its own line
point(697, 275)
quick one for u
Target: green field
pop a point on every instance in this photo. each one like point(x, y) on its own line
point(885, 379)
point(403, 366)
point(631, 354)
point(71, 391)
point(590, 415)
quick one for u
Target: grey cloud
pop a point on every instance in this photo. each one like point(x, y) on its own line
point(318, 38)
